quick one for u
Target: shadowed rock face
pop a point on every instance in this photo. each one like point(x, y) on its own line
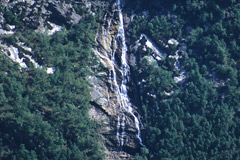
point(106, 107)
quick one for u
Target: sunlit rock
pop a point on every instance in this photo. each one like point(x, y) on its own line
point(50, 70)
point(12, 53)
point(55, 28)
point(180, 78)
point(4, 32)
point(173, 41)
point(22, 45)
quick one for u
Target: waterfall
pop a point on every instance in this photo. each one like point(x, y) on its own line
point(120, 90)
point(124, 99)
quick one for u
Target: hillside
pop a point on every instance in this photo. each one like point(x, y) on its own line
point(119, 79)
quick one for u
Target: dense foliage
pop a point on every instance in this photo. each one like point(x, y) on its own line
point(45, 116)
point(200, 120)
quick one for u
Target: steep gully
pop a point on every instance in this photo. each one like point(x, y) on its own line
point(115, 43)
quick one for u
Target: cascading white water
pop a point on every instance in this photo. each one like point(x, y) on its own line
point(118, 130)
point(120, 90)
point(123, 96)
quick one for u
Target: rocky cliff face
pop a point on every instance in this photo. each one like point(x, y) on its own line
point(37, 13)
point(105, 97)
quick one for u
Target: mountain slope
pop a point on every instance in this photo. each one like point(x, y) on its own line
point(124, 79)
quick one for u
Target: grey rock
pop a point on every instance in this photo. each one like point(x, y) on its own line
point(132, 60)
point(67, 11)
point(34, 10)
point(75, 18)
point(96, 93)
